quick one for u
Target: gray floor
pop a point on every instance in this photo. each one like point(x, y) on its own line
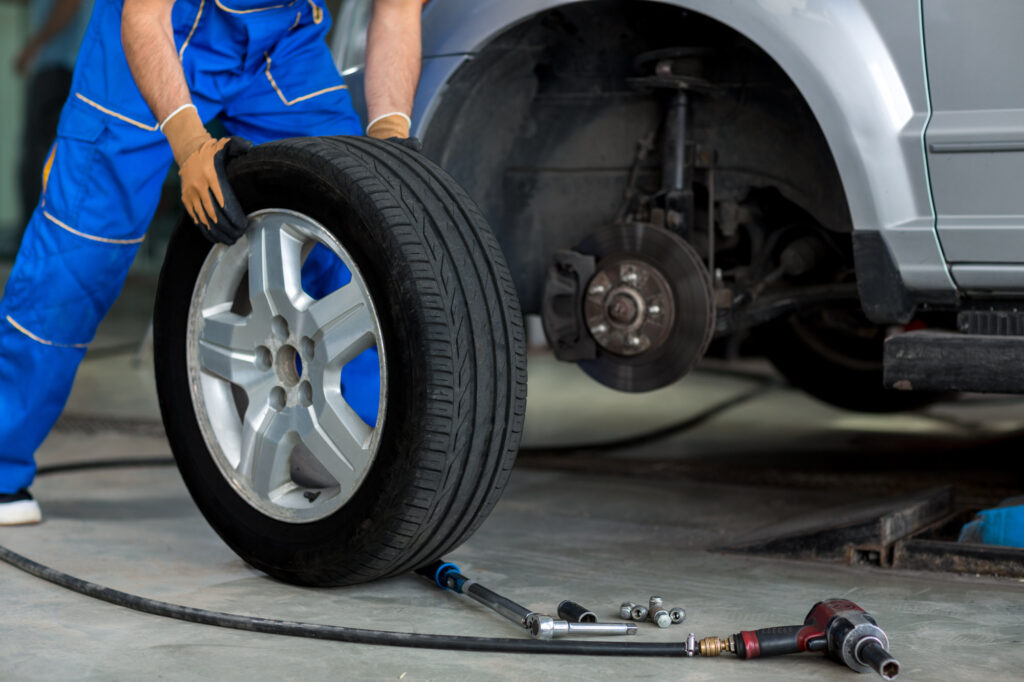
point(597, 529)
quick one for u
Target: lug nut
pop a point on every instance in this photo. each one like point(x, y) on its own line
point(658, 614)
point(655, 612)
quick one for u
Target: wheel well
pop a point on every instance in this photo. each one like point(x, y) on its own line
point(541, 127)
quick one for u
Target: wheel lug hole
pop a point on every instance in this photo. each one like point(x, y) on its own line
point(307, 348)
point(278, 398)
point(264, 358)
point(280, 327)
point(305, 394)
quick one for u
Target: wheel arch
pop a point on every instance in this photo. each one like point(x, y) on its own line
point(858, 68)
point(834, 53)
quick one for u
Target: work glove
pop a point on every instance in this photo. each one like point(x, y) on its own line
point(394, 128)
point(205, 191)
point(412, 143)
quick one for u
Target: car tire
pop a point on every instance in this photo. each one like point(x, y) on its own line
point(449, 331)
point(835, 354)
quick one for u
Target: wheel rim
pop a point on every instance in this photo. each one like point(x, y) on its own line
point(266, 360)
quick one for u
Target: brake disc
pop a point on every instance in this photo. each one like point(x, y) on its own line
point(649, 306)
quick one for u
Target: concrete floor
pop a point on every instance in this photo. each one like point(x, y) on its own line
point(598, 529)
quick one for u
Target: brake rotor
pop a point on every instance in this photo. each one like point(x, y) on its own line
point(649, 306)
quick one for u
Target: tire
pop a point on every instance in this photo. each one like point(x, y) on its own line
point(443, 312)
point(835, 354)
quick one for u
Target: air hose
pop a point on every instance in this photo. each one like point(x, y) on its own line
point(338, 633)
point(764, 386)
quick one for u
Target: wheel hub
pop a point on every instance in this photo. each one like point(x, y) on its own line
point(628, 307)
point(649, 306)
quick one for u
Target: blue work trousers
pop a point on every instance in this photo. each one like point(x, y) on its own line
point(264, 71)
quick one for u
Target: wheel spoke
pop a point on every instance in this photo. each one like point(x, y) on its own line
point(275, 268)
point(338, 439)
point(345, 322)
point(227, 351)
point(227, 329)
point(265, 449)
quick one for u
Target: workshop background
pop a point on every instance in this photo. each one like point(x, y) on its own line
point(729, 494)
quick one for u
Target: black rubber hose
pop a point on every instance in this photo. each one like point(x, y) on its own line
point(289, 628)
point(105, 464)
point(331, 632)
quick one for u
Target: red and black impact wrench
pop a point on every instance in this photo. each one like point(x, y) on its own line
point(838, 627)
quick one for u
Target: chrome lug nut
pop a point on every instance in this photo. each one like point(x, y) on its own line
point(639, 613)
point(626, 610)
point(677, 615)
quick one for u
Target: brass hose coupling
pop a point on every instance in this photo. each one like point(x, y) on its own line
point(714, 646)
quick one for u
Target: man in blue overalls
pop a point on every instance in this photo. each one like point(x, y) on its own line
point(149, 74)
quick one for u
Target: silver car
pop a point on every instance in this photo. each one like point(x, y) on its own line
point(826, 183)
point(832, 184)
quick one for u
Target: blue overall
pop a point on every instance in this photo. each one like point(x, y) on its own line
point(264, 71)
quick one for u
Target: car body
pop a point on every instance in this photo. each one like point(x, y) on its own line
point(896, 128)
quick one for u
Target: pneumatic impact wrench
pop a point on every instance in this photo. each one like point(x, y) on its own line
point(838, 627)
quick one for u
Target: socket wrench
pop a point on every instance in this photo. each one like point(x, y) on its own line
point(446, 575)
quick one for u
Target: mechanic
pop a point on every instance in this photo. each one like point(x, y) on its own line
point(149, 74)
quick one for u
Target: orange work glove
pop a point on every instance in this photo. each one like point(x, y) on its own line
point(393, 127)
point(395, 124)
point(205, 191)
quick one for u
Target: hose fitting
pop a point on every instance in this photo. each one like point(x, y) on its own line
point(714, 646)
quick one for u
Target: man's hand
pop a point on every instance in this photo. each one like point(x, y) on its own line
point(395, 124)
point(412, 143)
point(394, 127)
point(205, 191)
